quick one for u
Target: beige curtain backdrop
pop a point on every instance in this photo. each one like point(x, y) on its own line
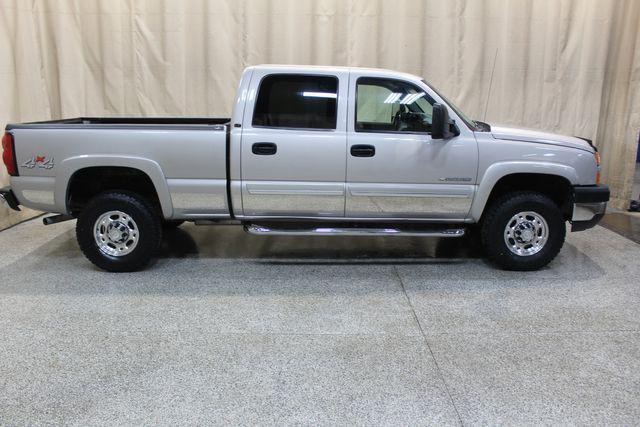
point(569, 66)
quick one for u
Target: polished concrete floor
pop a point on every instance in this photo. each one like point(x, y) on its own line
point(231, 328)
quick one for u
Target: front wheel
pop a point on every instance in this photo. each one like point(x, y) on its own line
point(119, 231)
point(523, 231)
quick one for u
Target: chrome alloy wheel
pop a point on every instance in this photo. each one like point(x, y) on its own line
point(116, 233)
point(526, 233)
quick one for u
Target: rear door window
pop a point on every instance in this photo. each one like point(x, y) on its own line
point(297, 101)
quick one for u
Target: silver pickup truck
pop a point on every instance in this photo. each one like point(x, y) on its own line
point(309, 151)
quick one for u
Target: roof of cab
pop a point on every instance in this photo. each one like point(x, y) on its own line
point(374, 72)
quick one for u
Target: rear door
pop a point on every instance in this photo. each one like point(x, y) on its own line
point(294, 145)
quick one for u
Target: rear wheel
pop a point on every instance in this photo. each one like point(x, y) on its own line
point(119, 231)
point(523, 231)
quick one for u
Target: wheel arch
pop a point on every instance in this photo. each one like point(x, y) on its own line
point(553, 180)
point(148, 175)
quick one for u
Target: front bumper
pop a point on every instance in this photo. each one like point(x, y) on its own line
point(10, 199)
point(589, 206)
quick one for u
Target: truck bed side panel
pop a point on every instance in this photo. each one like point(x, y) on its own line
point(186, 165)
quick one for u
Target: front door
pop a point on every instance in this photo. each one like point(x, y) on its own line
point(294, 145)
point(394, 168)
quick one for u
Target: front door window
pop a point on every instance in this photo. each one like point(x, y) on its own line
point(387, 105)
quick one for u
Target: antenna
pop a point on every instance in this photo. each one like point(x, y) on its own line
point(493, 69)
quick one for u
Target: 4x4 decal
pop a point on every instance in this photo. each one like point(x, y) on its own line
point(43, 162)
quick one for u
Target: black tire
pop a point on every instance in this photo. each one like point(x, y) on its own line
point(146, 219)
point(495, 221)
point(170, 224)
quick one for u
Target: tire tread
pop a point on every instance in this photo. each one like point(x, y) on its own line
point(506, 260)
point(84, 232)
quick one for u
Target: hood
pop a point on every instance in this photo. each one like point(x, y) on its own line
point(516, 134)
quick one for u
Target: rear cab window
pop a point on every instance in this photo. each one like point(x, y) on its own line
point(297, 102)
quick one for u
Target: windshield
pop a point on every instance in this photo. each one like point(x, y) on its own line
point(466, 119)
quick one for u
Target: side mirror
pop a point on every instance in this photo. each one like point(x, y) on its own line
point(440, 125)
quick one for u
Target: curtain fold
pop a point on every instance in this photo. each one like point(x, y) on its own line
point(567, 66)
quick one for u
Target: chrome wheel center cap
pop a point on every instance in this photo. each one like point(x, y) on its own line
point(526, 235)
point(117, 232)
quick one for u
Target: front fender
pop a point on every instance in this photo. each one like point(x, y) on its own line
point(501, 169)
point(68, 167)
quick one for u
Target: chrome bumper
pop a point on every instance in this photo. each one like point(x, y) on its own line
point(586, 211)
point(590, 204)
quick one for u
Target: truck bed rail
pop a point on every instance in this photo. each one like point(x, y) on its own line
point(120, 122)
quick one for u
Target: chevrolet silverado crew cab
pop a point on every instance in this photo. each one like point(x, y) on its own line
point(326, 151)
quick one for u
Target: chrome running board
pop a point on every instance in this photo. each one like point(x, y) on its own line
point(262, 230)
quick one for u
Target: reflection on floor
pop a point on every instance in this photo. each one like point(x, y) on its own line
point(206, 241)
point(625, 224)
point(230, 241)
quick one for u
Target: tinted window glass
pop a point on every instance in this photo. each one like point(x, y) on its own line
point(392, 106)
point(294, 101)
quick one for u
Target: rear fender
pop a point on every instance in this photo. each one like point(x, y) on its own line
point(69, 166)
